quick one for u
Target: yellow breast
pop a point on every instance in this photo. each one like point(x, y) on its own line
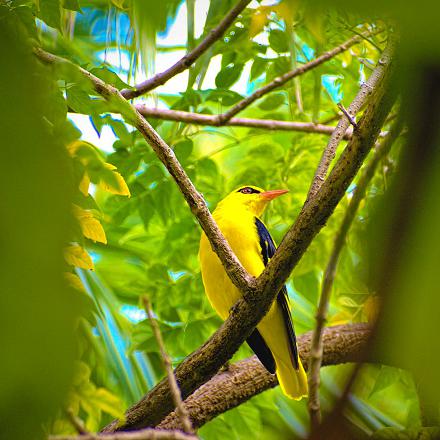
point(240, 231)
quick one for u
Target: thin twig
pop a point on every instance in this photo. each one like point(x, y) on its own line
point(143, 434)
point(338, 134)
point(281, 80)
point(174, 387)
point(316, 351)
point(215, 121)
point(185, 62)
point(76, 422)
point(347, 115)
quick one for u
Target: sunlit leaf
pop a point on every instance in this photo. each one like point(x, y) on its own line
point(90, 226)
point(74, 281)
point(76, 256)
point(113, 182)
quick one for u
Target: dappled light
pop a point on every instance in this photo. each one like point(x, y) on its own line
point(154, 284)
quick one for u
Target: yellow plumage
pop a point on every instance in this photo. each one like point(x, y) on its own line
point(236, 217)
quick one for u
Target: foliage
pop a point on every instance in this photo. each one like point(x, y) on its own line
point(130, 232)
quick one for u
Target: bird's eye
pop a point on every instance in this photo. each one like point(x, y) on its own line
point(248, 190)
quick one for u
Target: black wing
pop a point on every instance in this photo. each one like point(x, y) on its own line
point(260, 348)
point(267, 251)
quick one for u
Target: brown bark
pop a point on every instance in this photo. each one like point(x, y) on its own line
point(247, 378)
point(215, 121)
point(143, 434)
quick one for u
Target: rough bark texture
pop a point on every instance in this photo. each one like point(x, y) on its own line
point(245, 379)
point(144, 434)
point(339, 132)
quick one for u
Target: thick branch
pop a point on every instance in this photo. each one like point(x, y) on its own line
point(247, 378)
point(314, 215)
point(185, 62)
point(338, 134)
point(215, 121)
point(143, 434)
point(316, 351)
point(281, 80)
point(201, 365)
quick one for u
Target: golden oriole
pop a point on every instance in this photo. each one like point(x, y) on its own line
point(273, 341)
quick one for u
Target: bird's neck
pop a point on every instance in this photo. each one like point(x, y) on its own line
point(232, 214)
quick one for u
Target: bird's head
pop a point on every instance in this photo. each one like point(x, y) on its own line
point(251, 198)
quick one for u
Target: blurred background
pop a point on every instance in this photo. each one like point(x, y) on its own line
point(91, 220)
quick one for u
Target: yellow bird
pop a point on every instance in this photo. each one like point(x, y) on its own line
point(273, 341)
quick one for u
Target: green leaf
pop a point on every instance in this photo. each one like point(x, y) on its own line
point(228, 58)
point(154, 173)
point(27, 17)
point(278, 41)
point(225, 97)
point(228, 76)
point(72, 5)
point(146, 209)
point(50, 13)
point(208, 167)
point(79, 100)
point(272, 101)
point(280, 66)
point(387, 376)
point(109, 77)
point(258, 67)
point(183, 150)
point(120, 130)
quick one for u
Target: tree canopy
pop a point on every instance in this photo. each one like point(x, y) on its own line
point(124, 122)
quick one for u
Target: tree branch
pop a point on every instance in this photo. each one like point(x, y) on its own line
point(314, 215)
point(247, 378)
point(316, 351)
point(197, 204)
point(143, 434)
point(202, 364)
point(174, 387)
point(185, 62)
point(329, 152)
point(215, 121)
point(281, 80)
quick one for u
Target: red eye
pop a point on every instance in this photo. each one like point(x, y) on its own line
point(246, 190)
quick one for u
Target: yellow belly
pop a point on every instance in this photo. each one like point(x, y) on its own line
point(220, 290)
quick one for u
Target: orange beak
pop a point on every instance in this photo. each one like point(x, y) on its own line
point(270, 195)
